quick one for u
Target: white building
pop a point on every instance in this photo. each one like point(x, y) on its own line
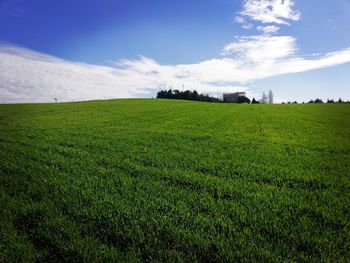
point(233, 97)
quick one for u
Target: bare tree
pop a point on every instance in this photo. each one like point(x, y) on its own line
point(270, 97)
point(264, 99)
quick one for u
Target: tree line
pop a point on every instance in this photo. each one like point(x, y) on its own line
point(318, 101)
point(186, 95)
point(195, 96)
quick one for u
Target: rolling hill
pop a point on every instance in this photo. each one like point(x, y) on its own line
point(166, 180)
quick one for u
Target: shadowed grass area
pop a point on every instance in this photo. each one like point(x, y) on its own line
point(166, 180)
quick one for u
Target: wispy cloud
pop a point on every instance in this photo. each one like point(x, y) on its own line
point(268, 29)
point(268, 11)
point(261, 49)
point(26, 75)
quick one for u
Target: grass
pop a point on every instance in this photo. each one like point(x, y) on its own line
point(166, 180)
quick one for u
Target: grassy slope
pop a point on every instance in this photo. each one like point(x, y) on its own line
point(171, 180)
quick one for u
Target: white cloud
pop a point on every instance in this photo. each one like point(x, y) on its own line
point(30, 76)
point(269, 11)
point(27, 76)
point(268, 29)
point(261, 48)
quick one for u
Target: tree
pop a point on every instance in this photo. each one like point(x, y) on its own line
point(176, 94)
point(318, 101)
point(340, 100)
point(185, 95)
point(161, 94)
point(243, 99)
point(194, 95)
point(169, 93)
point(270, 97)
point(255, 101)
point(264, 99)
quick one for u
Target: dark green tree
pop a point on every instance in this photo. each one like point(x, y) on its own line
point(243, 99)
point(255, 101)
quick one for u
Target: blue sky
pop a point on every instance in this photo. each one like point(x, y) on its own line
point(297, 48)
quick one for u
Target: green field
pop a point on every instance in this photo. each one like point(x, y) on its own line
point(166, 180)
